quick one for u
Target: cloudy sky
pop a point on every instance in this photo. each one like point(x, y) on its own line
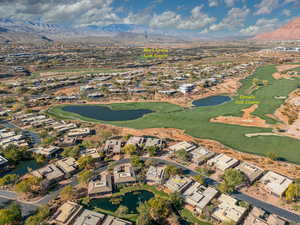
point(234, 17)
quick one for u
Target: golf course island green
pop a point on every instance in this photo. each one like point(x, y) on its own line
point(195, 120)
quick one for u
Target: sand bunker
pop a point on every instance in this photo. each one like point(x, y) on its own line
point(246, 120)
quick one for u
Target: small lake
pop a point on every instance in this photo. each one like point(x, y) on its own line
point(23, 167)
point(212, 100)
point(105, 113)
point(131, 200)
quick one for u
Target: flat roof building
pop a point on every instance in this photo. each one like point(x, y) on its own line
point(259, 216)
point(156, 174)
point(183, 145)
point(66, 214)
point(275, 183)
point(100, 185)
point(67, 165)
point(251, 171)
point(49, 172)
point(199, 196)
point(200, 155)
point(113, 146)
point(178, 183)
point(228, 210)
point(124, 173)
point(110, 220)
point(135, 140)
point(223, 162)
point(3, 161)
point(88, 217)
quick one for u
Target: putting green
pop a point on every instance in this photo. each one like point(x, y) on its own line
point(195, 121)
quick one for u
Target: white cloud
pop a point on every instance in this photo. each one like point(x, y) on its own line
point(261, 25)
point(266, 7)
point(229, 3)
point(213, 3)
point(286, 12)
point(169, 19)
point(235, 18)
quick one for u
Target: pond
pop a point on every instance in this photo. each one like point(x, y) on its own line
point(23, 167)
point(212, 100)
point(131, 200)
point(105, 113)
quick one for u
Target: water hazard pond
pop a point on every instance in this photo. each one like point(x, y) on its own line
point(131, 200)
point(211, 101)
point(105, 113)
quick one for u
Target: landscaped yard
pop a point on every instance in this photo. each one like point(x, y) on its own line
point(195, 121)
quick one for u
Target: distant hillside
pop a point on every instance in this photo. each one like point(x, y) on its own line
point(290, 31)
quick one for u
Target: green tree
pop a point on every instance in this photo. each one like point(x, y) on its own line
point(37, 219)
point(152, 150)
point(26, 186)
point(272, 155)
point(9, 179)
point(136, 161)
point(231, 179)
point(121, 211)
point(293, 192)
point(67, 193)
point(159, 208)
point(176, 200)
point(48, 140)
point(85, 162)
point(11, 215)
point(71, 151)
point(199, 178)
point(130, 149)
point(84, 177)
point(15, 153)
point(39, 158)
point(182, 155)
point(172, 171)
point(144, 213)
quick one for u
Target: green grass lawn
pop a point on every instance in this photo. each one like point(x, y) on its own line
point(195, 121)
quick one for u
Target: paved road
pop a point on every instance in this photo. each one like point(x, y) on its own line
point(253, 201)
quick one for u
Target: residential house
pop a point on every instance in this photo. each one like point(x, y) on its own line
point(275, 183)
point(223, 162)
point(48, 152)
point(199, 196)
point(156, 174)
point(124, 174)
point(88, 217)
point(186, 88)
point(228, 210)
point(67, 165)
point(137, 141)
point(259, 216)
point(110, 220)
point(178, 183)
point(113, 146)
point(201, 155)
point(3, 161)
point(49, 173)
point(183, 145)
point(93, 152)
point(251, 171)
point(79, 132)
point(100, 185)
point(154, 142)
point(66, 214)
